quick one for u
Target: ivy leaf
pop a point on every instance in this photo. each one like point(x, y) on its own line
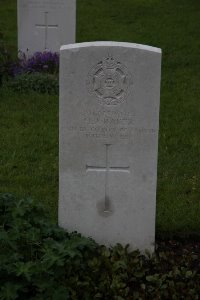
point(61, 293)
point(24, 269)
point(188, 274)
point(9, 291)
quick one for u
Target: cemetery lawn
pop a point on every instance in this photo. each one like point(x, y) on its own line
point(29, 122)
point(8, 21)
point(29, 146)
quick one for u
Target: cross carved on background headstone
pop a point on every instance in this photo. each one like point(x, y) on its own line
point(46, 26)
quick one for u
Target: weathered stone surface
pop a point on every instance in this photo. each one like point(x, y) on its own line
point(109, 120)
point(45, 24)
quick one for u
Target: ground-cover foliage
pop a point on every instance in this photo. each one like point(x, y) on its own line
point(39, 260)
point(29, 121)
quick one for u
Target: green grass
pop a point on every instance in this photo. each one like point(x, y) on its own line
point(29, 146)
point(29, 123)
point(8, 23)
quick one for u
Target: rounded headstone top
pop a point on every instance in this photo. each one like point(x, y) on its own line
point(110, 44)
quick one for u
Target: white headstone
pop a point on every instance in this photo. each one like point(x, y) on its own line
point(45, 25)
point(109, 119)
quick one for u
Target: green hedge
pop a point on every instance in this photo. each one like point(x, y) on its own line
point(41, 261)
point(38, 82)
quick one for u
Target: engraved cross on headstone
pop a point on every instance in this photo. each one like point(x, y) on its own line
point(46, 26)
point(107, 169)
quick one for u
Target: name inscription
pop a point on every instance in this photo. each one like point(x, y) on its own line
point(50, 4)
point(108, 124)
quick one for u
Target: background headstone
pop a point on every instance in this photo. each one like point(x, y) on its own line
point(45, 25)
point(109, 119)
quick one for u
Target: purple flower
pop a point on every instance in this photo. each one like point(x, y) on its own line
point(46, 62)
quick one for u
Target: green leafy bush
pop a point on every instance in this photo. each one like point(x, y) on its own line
point(38, 73)
point(41, 83)
point(41, 261)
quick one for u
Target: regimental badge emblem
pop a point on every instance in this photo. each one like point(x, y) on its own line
point(109, 81)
